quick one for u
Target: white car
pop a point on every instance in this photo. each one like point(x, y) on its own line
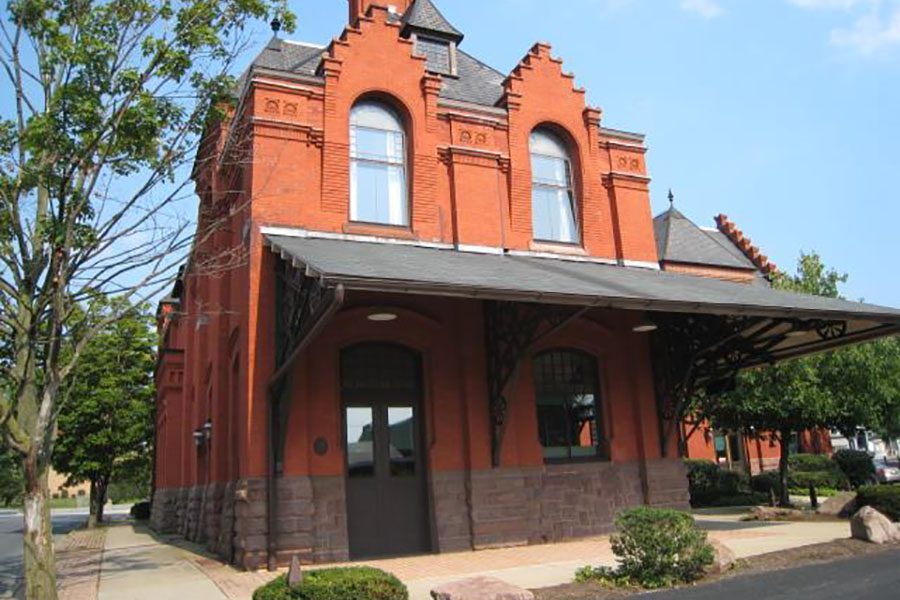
point(886, 472)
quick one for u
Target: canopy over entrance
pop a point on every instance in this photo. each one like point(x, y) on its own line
point(707, 330)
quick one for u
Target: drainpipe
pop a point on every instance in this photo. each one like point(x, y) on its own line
point(273, 432)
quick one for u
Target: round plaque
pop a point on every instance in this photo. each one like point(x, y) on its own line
point(320, 446)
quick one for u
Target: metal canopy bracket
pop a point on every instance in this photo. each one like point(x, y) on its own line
point(702, 354)
point(512, 329)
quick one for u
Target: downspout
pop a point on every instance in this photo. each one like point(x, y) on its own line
point(273, 432)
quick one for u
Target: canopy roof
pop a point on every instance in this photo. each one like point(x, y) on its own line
point(435, 270)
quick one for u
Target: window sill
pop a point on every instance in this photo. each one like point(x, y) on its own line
point(379, 230)
point(580, 460)
point(571, 248)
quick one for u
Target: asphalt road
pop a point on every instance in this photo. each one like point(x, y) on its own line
point(873, 577)
point(64, 521)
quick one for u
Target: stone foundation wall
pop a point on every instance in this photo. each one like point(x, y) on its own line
point(230, 519)
point(481, 509)
point(551, 503)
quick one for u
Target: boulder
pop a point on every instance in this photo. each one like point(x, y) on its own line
point(870, 525)
point(480, 588)
point(723, 558)
point(842, 504)
point(768, 513)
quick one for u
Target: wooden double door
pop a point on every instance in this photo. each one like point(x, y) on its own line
point(387, 504)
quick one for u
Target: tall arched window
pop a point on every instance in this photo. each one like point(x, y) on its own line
point(568, 405)
point(377, 166)
point(552, 195)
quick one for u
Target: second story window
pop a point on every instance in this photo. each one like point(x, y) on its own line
point(377, 166)
point(552, 195)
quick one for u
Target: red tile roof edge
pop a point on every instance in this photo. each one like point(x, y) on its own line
point(737, 237)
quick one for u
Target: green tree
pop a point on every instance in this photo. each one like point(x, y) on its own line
point(107, 421)
point(12, 484)
point(787, 398)
point(105, 104)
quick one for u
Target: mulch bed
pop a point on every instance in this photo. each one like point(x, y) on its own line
point(784, 559)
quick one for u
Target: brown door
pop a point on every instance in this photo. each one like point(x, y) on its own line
point(387, 512)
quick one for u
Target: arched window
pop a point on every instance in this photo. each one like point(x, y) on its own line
point(552, 195)
point(377, 166)
point(568, 405)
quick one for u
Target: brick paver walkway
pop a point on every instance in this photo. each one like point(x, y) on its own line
point(78, 560)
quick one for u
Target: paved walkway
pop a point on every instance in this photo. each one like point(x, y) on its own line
point(138, 565)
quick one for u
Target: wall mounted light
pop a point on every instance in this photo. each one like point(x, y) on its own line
point(199, 437)
point(207, 431)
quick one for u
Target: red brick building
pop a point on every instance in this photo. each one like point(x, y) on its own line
point(440, 322)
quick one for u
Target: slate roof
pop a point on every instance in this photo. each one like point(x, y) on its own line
point(291, 57)
point(678, 239)
point(449, 272)
point(424, 15)
point(474, 82)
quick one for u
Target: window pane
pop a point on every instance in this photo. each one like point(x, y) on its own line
point(567, 404)
point(403, 446)
point(378, 193)
point(377, 145)
point(734, 446)
point(552, 215)
point(360, 442)
point(547, 170)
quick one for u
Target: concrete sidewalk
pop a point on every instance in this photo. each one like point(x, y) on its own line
point(138, 565)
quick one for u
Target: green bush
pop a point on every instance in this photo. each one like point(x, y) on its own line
point(352, 583)
point(810, 462)
point(857, 465)
point(659, 547)
point(883, 498)
point(765, 482)
point(141, 511)
point(710, 485)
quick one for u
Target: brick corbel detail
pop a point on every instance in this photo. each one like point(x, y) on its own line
point(745, 245)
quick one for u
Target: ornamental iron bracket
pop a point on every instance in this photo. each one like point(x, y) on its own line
point(696, 354)
point(511, 330)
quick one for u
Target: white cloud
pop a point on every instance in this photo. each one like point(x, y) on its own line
point(708, 9)
point(871, 33)
point(828, 4)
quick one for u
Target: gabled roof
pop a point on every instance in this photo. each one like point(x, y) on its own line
point(423, 15)
point(678, 239)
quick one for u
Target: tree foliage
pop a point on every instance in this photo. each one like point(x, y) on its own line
point(844, 389)
point(106, 425)
point(104, 106)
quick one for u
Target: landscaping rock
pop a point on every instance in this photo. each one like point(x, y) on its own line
point(842, 504)
point(723, 558)
point(768, 513)
point(870, 525)
point(480, 588)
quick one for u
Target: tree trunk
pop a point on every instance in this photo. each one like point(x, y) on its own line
point(40, 563)
point(98, 500)
point(784, 495)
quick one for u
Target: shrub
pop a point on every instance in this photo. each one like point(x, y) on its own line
point(352, 583)
point(857, 465)
point(141, 511)
point(711, 486)
point(765, 482)
point(883, 498)
point(659, 547)
point(703, 479)
point(810, 462)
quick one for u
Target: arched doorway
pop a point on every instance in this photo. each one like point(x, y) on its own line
point(387, 510)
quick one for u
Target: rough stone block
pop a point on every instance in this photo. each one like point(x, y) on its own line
point(870, 525)
point(480, 588)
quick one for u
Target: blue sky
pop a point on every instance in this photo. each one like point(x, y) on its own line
point(782, 114)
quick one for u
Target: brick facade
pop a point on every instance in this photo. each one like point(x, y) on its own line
point(283, 160)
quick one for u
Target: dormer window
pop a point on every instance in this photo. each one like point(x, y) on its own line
point(440, 55)
point(377, 166)
point(552, 194)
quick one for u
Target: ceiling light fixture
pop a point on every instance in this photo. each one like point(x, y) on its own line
point(645, 327)
point(382, 317)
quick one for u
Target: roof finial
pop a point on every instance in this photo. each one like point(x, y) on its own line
point(671, 199)
point(276, 25)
